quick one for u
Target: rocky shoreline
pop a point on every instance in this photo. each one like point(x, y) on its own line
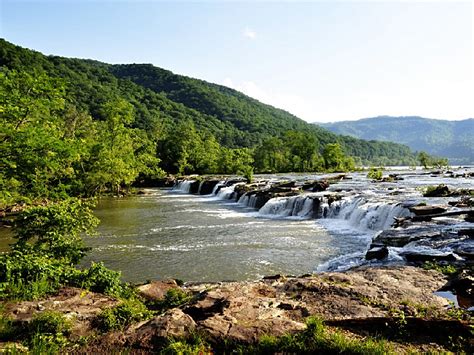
point(398, 304)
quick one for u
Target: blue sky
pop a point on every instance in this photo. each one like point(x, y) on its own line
point(321, 60)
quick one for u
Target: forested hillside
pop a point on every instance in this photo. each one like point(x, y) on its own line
point(451, 139)
point(79, 127)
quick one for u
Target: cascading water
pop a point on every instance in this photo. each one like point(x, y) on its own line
point(363, 214)
point(248, 200)
point(217, 187)
point(295, 206)
point(183, 186)
point(227, 193)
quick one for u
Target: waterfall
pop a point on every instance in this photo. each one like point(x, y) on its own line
point(296, 206)
point(227, 193)
point(356, 210)
point(248, 200)
point(363, 214)
point(183, 186)
point(218, 185)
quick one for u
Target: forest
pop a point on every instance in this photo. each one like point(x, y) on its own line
point(74, 127)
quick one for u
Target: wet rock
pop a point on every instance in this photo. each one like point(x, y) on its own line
point(207, 186)
point(467, 231)
point(438, 191)
point(174, 323)
point(156, 290)
point(426, 210)
point(465, 251)
point(377, 252)
point(194, 187)
point(286, 184)
point(416, 257)
point(401, 237)
point(316, 186)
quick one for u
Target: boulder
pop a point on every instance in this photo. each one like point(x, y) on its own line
point(401, 237)
point(173, 323)
point(316, 186)
point(418, 257)
point(156, 290)
point(421, 210)
point(438, 191)
point(207, 187)
point(378, 252)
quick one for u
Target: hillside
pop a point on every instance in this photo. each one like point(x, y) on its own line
point(451, 139)
point(162, 99)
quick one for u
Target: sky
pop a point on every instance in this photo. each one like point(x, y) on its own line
point(323, 61)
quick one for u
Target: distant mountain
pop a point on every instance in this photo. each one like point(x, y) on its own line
point(451, 139)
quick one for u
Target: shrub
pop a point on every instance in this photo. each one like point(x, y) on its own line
point(50, 322)
point(55, 229)
point(174, 297)
point(125, 313)
point(375, 173)
point(99, 278)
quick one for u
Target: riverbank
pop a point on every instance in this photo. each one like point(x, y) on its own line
point(364, 310)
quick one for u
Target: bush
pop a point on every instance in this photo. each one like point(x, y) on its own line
point(99, 278)
point(125, 313)
point(55, 229)
point(375, 173)
point(50, 322)
point(174, 297)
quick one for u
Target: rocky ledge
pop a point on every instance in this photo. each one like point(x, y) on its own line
point(361, 302)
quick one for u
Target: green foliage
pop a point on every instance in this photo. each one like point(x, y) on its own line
point(54, 230)
point(100, 279)
point(50, 322)
point(174, 297)
point(48, 246)
point(448, 270)
point(120, 316)
point(452, 139)
point(93, 131)
point(375, 173)
point(427, 161)
point(335, 160)
point(315, 339)
point(248, 174)
point(48, 332)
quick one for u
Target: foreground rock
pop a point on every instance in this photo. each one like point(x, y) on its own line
point(80, 306)
point(366, 301)
point(244, 311)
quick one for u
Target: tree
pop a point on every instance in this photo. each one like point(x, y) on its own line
point(120, 152)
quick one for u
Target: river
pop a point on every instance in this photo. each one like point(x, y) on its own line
point(172, 234)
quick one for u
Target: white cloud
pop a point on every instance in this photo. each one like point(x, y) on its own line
point(249, 33)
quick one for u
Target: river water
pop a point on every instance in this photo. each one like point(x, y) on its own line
point(172, 234)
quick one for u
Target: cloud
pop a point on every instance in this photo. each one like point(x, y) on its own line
point(249, 33)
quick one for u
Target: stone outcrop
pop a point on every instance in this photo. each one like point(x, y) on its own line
point(156, 290)
point(244, 311)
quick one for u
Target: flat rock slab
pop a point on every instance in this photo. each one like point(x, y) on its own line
point(244, 311)
point(81, 306)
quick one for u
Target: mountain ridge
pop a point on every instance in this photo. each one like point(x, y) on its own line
point(451, 139)
point(162, 98)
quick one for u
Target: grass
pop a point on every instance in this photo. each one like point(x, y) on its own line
point(448, 270)
point(122, 315)
point(316, 338)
